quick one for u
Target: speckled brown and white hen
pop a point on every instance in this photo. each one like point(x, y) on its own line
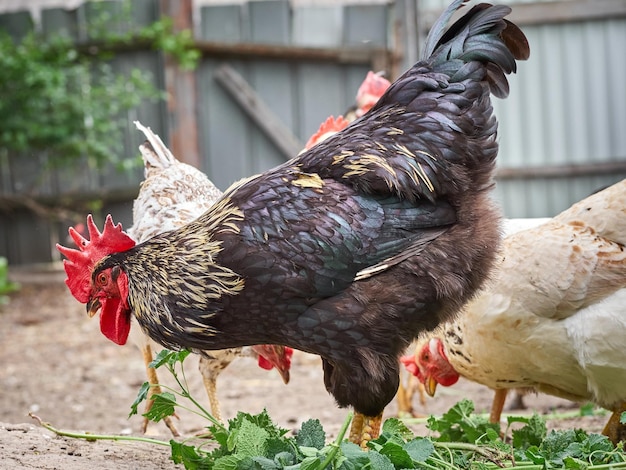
point(553, 317)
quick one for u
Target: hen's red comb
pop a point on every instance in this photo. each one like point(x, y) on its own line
point(79, 263)
point(372, 88)
point(327, 128)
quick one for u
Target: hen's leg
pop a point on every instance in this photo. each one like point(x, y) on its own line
point(497, 405)
point(404, 398)
point(517, 403)
point(365, 428)
point(615, 430)
point(210, 368)
point(405, 395)
point(153, 379)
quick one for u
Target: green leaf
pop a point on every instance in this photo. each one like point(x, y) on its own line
point(308, 451)
point(170, 358)
point(380, 462)
point(220, 434)
point(397, 427)
point(419, 449)
point(459, 424)
point(141, 396)
point(587, 409)
point(535, 455)
point(575, 464)
point(264, 463)
point(164, 405)
point(251, 440)
point(532, 434)
point(396, 454)
point(284, 458)
point(622, 417)
point(6, 286)
point(187, 455)
point(310, 463)
point(355, 457)
point(280, 445)
point(311, 434)
point(227, 462)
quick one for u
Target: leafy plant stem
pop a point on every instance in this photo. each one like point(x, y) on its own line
point(462, 446)
point(335, 445)
point(95, 437)
point(185, 393)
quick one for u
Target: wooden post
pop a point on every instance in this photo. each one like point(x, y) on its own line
point(182, 113)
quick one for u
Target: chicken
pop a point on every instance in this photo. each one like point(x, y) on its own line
point(173, 194)
point(368, 94)
point(553, 318)
point(347, 251)
point(406, 391)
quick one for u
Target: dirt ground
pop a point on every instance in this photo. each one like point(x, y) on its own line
point(57, 365)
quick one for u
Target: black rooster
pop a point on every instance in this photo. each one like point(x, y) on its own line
point(349, 250)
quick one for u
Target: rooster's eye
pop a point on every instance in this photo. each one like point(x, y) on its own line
point(102, 279)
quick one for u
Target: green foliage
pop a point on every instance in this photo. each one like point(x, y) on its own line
point(6, 286)
point(464, 440)
point(459, 424)
point(66, 99)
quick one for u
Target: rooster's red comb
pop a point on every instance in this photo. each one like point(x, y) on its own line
point(79, 263)
point(327, 128)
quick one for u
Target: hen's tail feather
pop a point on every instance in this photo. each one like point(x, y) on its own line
point(481, 35)
point(154, 152)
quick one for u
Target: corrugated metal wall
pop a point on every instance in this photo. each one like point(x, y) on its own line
point(567, 104)
point(300, 93)
point(27, 236)
point(567, 107)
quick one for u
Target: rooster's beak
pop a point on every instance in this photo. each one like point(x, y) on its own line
point(93, 306)
point(430, 385)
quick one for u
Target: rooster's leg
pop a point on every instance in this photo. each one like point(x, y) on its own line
point(615, 430)
point(153, 380)
point(365, 428)
point(497, 405)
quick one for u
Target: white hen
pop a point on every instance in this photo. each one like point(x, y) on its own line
point(553, 317)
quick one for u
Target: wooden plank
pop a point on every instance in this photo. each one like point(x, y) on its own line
point(269, 22)
point(317, 26)
point(273, 83)
point(16, 24)
point(59, 21)
point(365, 25)
point(567, 11)
point(534, 13)
point(225, 129)
point(222, 23)
point(224, 125)
point(111, 16)
point(28, 238)
point(245, 96)
point(321, 92)
point(182, 98)
point(564, 171)
point(341, 55)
